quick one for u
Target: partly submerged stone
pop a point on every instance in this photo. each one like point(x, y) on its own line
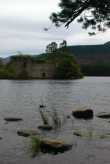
point(84, 133)
point(79, 134)
point(27, 133)
point(83, 114)
point(45, 127)
point(104, 115)
point(49, 146)
point(13, 119)
point(54, 146)
point(87, 134)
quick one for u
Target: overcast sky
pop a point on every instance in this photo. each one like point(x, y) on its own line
point(22, 24)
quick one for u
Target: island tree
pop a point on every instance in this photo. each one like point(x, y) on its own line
point(63, 44)
point(52, 47)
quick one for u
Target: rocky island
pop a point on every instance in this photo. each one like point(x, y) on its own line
point(56, 63)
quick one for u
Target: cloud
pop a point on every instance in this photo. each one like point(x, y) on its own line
point(22, 26)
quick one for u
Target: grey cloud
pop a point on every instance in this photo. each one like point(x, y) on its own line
point(26, 33)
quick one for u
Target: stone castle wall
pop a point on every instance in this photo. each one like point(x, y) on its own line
point(42, 70)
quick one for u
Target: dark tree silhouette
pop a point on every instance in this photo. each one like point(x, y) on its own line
point(91, 13)
point(52, 47)
point(63, 44)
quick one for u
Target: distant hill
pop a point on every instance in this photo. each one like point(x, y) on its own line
point(94, 59)
point(91, 54)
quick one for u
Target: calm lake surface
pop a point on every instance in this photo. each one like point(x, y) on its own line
point(22, 99)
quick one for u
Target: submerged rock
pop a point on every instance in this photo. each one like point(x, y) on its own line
point(45, 127)
point(85, 134)
point(13, 119)
point(91, 134)
point(83, 114)
point(104, 115)
point(27, 133)
point(77, 134)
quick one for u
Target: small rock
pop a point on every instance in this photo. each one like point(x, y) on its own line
point(13, 119)
point(77, 134)
point(1, 138)
point(27, 133)
point(45, 127)
point(68, 117)
point(83, 114)
point(104, 115)
point(42, 106)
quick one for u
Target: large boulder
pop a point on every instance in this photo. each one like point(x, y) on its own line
point(83, 114)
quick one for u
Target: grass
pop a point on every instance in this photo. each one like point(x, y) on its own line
point(53, 116)
point(56, 119)
point(35, 146)
point(44, 116)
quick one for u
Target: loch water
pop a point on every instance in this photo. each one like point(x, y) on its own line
point(21, 98)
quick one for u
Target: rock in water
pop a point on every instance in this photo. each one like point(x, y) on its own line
point(83, 114)
point(42, 106)
point(54, 146)
point(45, 127)
point(27, 133)
point(104, 115)
point(13, 119)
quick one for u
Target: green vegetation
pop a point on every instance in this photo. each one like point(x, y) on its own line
point(67, 69)
point(6, 72)
point(43, 114)
point(56, 63)
point(48, 146)
point(56, 119)
point(50, 120)
point(35, 146)
point(66, 65)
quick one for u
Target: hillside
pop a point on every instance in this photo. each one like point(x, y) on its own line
point(94, 59)
point(90, 54)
